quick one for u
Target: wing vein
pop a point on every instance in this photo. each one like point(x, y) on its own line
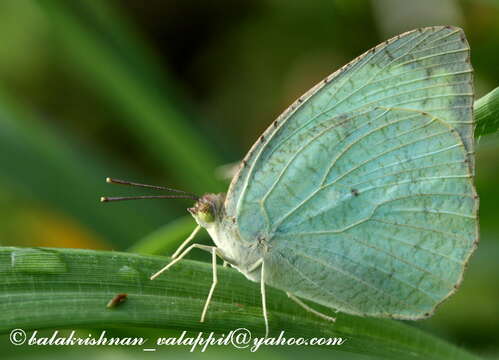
point(434, 211)
point(398, 172)
point(323, 186)
point(312, 281)
point(420, 228)
point(359, 280)
point(375, 248)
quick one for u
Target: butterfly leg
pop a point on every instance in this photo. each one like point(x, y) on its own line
point(256, 265)
point(214, 252)
point(180, 257)
point(309, 309)
point(264, 302)
point(186, 241)
point(213, 284)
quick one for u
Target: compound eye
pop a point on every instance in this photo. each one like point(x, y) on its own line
point(203, 210)
point(206, 216)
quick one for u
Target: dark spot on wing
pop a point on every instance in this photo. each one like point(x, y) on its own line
point(355, 192)
point(390, 56)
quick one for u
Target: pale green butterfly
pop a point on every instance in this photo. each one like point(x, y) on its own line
point(360, 196)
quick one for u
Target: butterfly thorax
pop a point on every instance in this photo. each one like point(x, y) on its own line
point(209, 212)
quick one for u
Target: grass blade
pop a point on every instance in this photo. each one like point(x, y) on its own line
point(47, 288)
point(487, 113)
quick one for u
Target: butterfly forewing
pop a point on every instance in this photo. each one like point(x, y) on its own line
point(363, 188)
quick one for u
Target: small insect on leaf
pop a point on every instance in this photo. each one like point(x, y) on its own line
point(116, 300)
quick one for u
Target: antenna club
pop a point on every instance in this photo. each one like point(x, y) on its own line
point(109, 180)
point(103, 199)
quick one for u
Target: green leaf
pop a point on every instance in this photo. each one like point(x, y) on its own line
point(487, 113)
point(49, 288)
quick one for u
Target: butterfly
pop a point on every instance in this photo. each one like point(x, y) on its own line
point(360, 196)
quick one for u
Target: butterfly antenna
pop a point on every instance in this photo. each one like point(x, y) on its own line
point(157, 187)
point(122, 198)
point(182, 194)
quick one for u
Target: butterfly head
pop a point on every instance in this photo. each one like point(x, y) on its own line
point(208, 209)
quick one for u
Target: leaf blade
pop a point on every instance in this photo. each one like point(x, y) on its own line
point(487, 113)
point(78, 297)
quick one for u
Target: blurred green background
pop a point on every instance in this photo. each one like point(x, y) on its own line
point(167, 92)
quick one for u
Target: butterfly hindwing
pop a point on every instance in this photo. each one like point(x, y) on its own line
point(390, 222)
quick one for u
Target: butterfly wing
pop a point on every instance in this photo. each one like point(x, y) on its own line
point(363, 187)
